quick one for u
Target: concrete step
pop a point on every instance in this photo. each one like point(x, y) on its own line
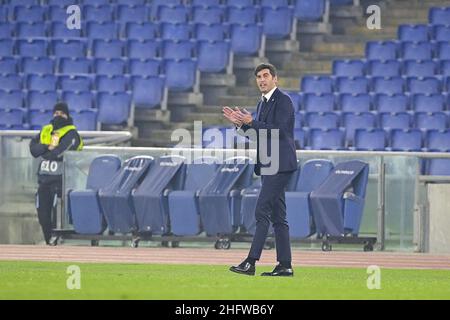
point(385, 31)
point(207, 118)
point(235, 100)
point(338, 48)
point(244, 91)
point(405, 12)
point(296, 66)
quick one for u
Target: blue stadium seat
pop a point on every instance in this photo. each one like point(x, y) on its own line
point(441, 33)
point(246, 39)
point(348, 68)
point(178, 49)
point(42, 82)
point(33, 13)
point(38, 119)
point(147, 49)
point(8, 65)
point(175, 31)
point(239, 3)
point(180, 74)
point(79, 101)
point(3, 13)
point(243, 15)
point(11, 119)
point(426, 85)
point(59, 29)
point(114, 108)
point(109, 67)
point(277, 22)
point(42, 101)
point(430, 121)
point(219, 200)
point(331, 139)
point(108, 49)
point(69, 48)
point(42, 65)
point(428, 103)
point(102, 30)
point(439, 15)
point(147, 91)
point(300, 137)
point(390, 103)
point(207, 3)
point(210, 32)
point(337, 3)
point(64, 3)
point(417, 50)
point(353, 85)
point(149, 67)
point(213, 56)
point(31, 30)
point(446, 84)
point(353, 121)
point(83, 205)
point(443, 51)
point(141, 31)
point(445, 68)
point(166, 174)
point(208, 14)
point(424, 68)
point(388, 85)
point(306, 10)
point(370, 139)
point(381, 50)
point(10, 82)
point(100, 13)
point(111, 84)
point(75, 65)
point(438, 167)
point(85, 120)
point(337, 204)
point(322, 120)
point(174, 14)
point(132, 2)
point(296, 98)
point(10, 100)
point(413, 32)
point(317, 84)
point(116, 196)
point(354, 102)
point(75, 83)
point(6, 47)
point(135, 14)
point(298, 210)
point(32, 48)
point(387, 68)
point(6, 30)
point(57, 13)
point(183, 205)
point(438, 140)
point(318, 102)
point(399, 120)
point(406, 140)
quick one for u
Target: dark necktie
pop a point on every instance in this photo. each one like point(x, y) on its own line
point(262, 109)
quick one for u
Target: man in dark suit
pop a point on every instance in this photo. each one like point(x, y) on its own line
point(275, 111)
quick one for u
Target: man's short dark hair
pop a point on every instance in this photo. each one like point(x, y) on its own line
point(271, 67)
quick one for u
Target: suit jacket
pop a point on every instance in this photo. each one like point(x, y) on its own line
point(278, 114)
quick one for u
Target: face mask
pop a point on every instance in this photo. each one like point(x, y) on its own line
point(59, 122)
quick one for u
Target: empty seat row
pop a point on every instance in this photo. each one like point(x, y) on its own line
point(387, 85)
point(406, 50)
point(423, 32)
point(374, 139)
point(390, 68)
point(347, 102)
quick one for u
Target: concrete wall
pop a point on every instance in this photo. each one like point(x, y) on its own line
point(439, 218)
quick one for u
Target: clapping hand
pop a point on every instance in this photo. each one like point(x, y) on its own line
point(237, 117)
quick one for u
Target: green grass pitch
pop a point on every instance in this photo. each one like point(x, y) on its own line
point(47, 280)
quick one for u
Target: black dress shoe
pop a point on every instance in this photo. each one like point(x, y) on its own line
point(244, 268)
point(279, 271)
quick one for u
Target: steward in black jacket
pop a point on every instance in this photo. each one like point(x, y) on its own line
point(50, 144)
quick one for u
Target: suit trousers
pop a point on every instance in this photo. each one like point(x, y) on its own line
point(271, 208)
point(45, 203)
